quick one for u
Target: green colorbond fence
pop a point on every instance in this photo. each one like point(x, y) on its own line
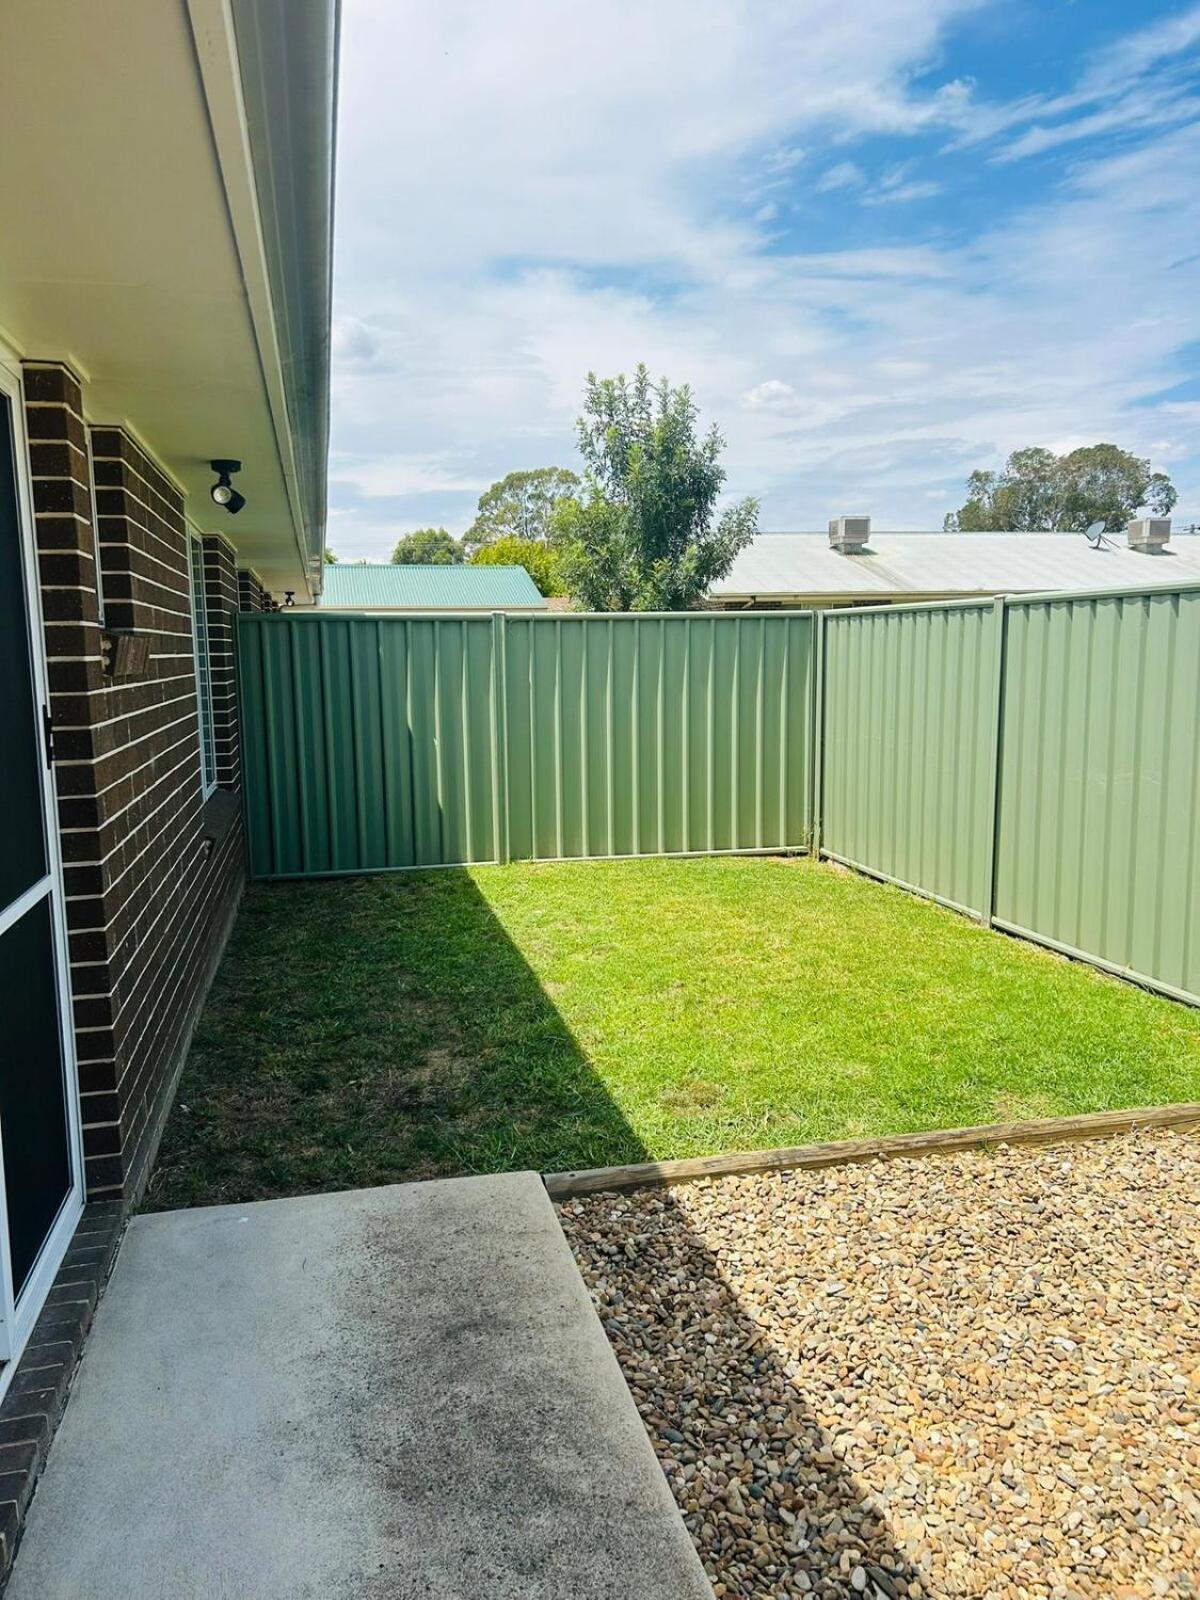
point(909, 721)
point(1034, 761)
point(367, 744)
point(1098, 844)
point(381, 743)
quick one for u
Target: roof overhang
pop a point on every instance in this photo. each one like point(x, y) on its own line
point(166, 168)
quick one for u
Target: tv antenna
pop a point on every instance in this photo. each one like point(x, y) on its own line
point(1094, 534)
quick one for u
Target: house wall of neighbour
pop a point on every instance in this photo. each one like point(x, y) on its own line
point(153, 872)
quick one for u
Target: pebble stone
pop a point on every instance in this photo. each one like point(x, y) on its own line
point(972, 1375)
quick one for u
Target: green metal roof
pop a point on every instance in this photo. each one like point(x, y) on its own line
point(385, 586)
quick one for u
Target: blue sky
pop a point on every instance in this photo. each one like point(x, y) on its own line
point(885, 243)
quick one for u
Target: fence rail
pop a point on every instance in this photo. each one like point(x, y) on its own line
point(1034, 761)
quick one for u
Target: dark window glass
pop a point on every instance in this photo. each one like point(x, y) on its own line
point(33, 1112)
point(22, 825)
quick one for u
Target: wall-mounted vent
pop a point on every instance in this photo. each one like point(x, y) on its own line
point(849, 534)
point(1148, 534)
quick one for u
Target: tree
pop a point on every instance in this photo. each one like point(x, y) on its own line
point(520, 506)
point(428, 547)
point(1039, 490)
point(540, 560)
point(330, 559)
point(643, 537)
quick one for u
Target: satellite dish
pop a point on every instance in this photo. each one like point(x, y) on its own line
point(1094, 534)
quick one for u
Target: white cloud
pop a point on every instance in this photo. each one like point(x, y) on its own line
point(1143, 50)
point(529, 192)
point(898, 193)
point(1137, 82)
point(1136, 112)
point(846, 175)
point(892, 186)
point(384, 477)
point(772, 395)
point(784, 160)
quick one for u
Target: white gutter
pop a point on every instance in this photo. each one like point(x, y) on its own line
point(220, 72)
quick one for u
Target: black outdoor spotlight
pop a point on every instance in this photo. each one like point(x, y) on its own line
point(223, 492)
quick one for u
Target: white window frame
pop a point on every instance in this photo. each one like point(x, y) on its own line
point(98, 573)
point(17, 1316)
point(202, 661)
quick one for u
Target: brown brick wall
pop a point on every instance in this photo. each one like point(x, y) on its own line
point(251, 594)
point(152, 875)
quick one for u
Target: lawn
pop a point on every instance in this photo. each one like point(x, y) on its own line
point(552, 1016)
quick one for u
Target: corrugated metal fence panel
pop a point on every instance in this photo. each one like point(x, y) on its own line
point(389, 742)
point(908, 726)
point(658, 735)
point(379, 743)
point(368, 742)
point(1098, 848)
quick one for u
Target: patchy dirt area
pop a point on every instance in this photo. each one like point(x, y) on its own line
point(975, 1375)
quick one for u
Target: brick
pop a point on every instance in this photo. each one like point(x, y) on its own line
point(149, 893)
point(33, 1428)
point(52, 381)
point(34, 1402)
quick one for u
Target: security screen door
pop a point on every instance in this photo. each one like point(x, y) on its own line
point(40, 1194)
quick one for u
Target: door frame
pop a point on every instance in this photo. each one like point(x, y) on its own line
point(18, 1315)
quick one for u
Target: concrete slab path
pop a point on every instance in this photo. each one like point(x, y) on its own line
point(387, 1394)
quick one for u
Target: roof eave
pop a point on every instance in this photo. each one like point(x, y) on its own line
point(259, 60)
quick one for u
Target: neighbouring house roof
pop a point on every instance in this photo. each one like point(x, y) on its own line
point(804, 566)
point(167, 173)
point(385, 586)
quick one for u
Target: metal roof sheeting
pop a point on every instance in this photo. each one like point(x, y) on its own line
point(935, 565)
point(384, 586)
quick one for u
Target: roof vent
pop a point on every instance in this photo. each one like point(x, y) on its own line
point(849, 534)
point(1149, 534)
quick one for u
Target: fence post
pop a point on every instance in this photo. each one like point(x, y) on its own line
point(817, 731)
point(500, 738)
point(988, 908)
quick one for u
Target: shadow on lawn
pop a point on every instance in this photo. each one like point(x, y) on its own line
point(374, 1030)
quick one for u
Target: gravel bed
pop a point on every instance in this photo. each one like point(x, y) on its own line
point(968, 1375)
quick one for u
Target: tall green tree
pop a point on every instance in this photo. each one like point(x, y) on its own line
point(539, 558)
point(330, 558)
point(520, 506)
point(428, 547)
point(1042, 491)
point(645, 535)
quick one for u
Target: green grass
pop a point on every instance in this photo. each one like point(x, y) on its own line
point(552, 1016)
